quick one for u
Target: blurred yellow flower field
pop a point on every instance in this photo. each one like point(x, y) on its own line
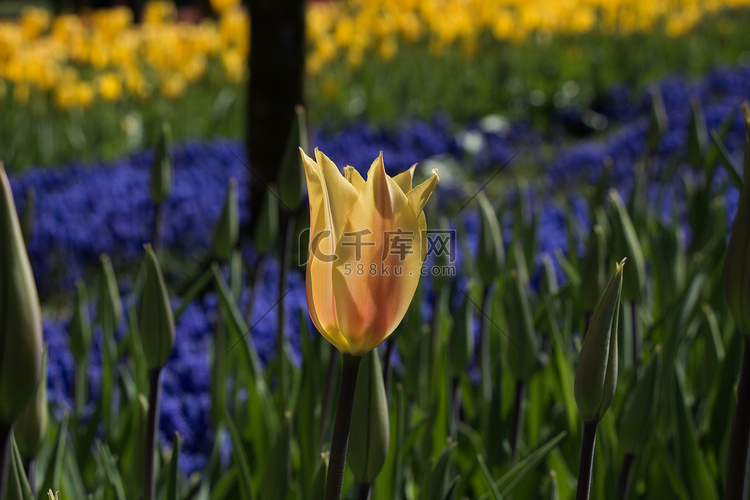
point(40, 53)
point(137, 74)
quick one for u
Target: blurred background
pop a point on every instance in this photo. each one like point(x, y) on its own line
point(570, 116)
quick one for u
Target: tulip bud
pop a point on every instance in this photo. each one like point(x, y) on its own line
point(161, 167)
point(369, 433)
point(523, 349)
point(697, 140)
point(491, 253)
point(659, 123)
point(31, 424)
point(596, 373)
point(737, 262)
point(593, 277)
point(291, 174)
point(267, 228)
point(110, 304)
point(20, 316)
point(461, 341)
point(627, 245)
point(227, 228)
point(27, 216)
point(157, 321)
point(636, 419)
point(80, 325)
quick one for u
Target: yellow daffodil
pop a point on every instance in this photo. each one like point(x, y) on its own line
point(110, 87)
point(367, 246)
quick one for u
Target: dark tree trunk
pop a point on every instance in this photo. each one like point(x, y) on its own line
point(277, 64)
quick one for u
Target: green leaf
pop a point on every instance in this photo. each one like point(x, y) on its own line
point(223, 487)
point(238, 450)
point(436, 483)
point(278, 469)
point(488, 477)
point(111, 471)
point(174, 472)
point(240, 327)
point(508, 481)
point(733, 169)
point(695, 468)
point(192, 292)
point(19, 487)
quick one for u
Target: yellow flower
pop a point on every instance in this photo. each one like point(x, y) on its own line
point(34, 21)
point(159, 12)
point(109, 87)
point(367, 245)
point(234, 65)
point(84, 94)
point(220, 6)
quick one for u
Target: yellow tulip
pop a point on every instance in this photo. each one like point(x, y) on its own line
point(367, 246)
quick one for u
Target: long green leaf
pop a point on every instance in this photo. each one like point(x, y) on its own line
point(173, 474)
point(508, 480)
point(488, 477)
point(238, 449)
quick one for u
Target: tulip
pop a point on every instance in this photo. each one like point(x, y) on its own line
point(20, 316)
point(157, 320)
point(31, 424)
point(157, 336)
point(20, 323)
point(596, 374)
point(367, 245)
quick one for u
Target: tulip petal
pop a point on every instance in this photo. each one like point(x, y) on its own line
point(422, 222)
point(405, 178)
point(354, 178)
point(419, 196)
point(374, 281)
point(341, 194)
point(320, 298)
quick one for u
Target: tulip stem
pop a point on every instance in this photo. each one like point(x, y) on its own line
point(156, 228)
point(364, 490)
point(738, 442)
point(5, 433)
point(80, 395)
point(626, 475)
point(586, 464)
point(340, 440)
point(149, 476)
point(516, 428)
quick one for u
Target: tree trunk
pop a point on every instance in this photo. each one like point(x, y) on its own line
point(277, 64)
